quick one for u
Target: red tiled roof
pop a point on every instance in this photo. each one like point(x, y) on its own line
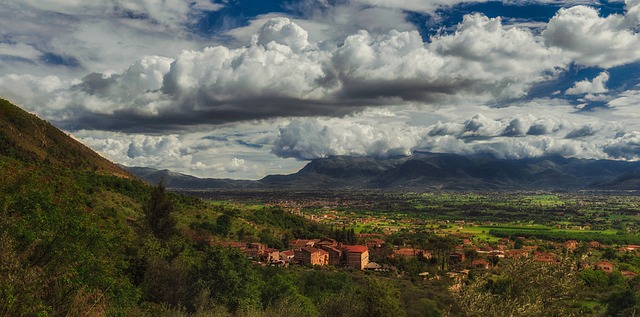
point(313, 250)
point(356, 248)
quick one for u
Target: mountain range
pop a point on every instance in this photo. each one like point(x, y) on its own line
point(428, 171)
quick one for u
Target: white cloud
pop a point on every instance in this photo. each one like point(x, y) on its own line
point(223, 153)
point(96, 35)
point(592, 40)
point(595, 86)
point(528, 132)
point(314, 138)
point(19, 50)
point(283, 74)
point(625, 107)
point(170, 13)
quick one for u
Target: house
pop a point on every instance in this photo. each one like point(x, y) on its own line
point(456, 257)
point(518, 253)
point(375, 243)
point(409, 252)
point(300, 243)
point(373, 266)
point(270, 255)
point(570, 245)
point(356, 256)
point(594, 244)
point(545, 257)
point(287, 256)
point(630, 247)
point(326, 241)
point(255, 249)
point(605, 266)
point(480, 264)
point(312, 256)
point(335, 254)
point(629, 274)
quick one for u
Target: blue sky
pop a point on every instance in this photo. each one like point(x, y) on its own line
point(243, 89)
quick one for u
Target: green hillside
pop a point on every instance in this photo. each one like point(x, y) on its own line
point(28, 139)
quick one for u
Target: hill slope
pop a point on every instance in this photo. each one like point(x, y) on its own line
point(27, 138)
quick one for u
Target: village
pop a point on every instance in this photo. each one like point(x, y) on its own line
point(459, 260)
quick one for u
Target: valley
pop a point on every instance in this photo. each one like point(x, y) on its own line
point(465, 238)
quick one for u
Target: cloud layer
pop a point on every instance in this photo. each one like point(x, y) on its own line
point(319, 84)
point(512, 137)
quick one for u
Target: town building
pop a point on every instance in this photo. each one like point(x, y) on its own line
point(356, 256)
point(605, 266)
point(312, 256)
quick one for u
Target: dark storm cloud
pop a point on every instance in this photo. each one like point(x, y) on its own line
point(176, 119)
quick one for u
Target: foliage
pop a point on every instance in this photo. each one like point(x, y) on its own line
point(522, 287)
point(158, 213)
point(230, 278)
point(561, 236)
point(623, 302)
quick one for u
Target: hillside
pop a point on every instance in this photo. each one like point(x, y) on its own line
point(27, 138)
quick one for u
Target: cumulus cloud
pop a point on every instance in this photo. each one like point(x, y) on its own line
point(283, 74)
point(315, 138)
point(592, 40)
point(170, 13)
point(595, 86)
point(625, 147)
point(511, 137)
point(70, 38)
point(201, 154)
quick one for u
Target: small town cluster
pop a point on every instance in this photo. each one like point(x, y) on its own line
point(460, 260)
point(321, 252)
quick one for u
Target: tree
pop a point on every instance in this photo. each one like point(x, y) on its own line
point(381, 298)
point(158, 212)
point(523, 287)
point(223, 224)
point(624, 302)
point(230, 279)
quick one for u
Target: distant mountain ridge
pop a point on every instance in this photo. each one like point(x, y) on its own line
point(177, 180)
point(426, 171)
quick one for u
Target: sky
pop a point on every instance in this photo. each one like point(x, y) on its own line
point(244, 89)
